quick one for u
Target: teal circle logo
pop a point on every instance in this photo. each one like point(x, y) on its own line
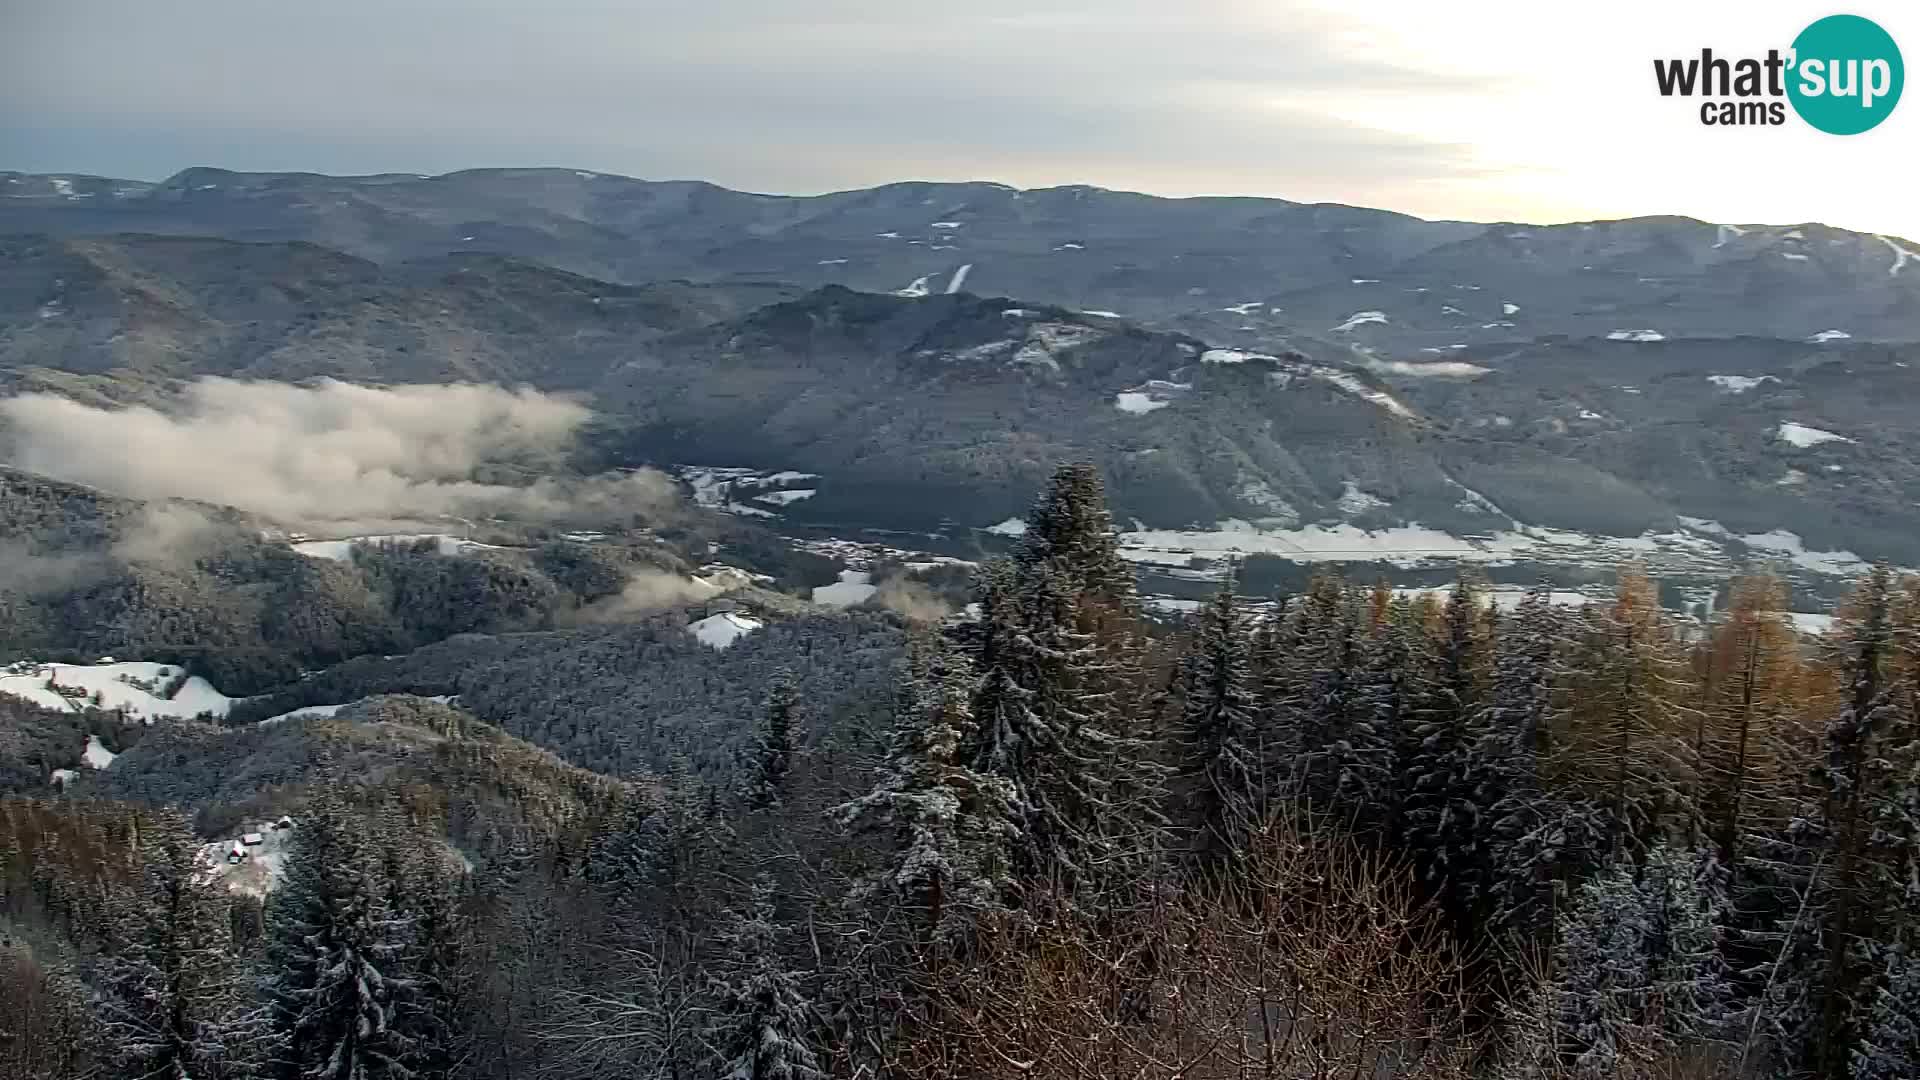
point(1847, 75)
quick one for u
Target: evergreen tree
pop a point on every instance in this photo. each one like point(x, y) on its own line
point(163, 984)
point(335, 950)
point(1443, 819)
point(1638, 967)
point(762, 1023)
point(1217, 725)
point(775, 745)
point(952, 828)
point(1864, 884)
point(1530, 826)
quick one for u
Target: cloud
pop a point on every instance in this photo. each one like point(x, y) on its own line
point(766, 95)
point(911, 599)
point(328, 452)
point(646, 592)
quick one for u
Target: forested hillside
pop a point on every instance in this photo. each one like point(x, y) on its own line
point(1351, 832)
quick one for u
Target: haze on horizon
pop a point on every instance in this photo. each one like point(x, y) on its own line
point(1491, 110)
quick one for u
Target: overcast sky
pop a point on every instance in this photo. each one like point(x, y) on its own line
point(1481, 109)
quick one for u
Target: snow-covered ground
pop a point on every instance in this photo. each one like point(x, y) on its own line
point(314, 712)
point(341, 550)
point(97, 756)
point(132, 687)
point(723, 629)
point(1739, 384)
point(1359, 318)
point(723, 488)
point(1416, 546)
point(250, 869)
point(1636, 335)
point(854, 587)
point(1803, 435)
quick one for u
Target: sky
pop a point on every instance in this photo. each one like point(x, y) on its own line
point(1478, 109)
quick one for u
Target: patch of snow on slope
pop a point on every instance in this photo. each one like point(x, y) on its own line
point(959, 279)
point(61, 186)
point(1825, 336)
point(788, 497)
point(1795, 256)
point(1727, 232)
point(854, 587)
point(918, 289)
point(1803, 436)
point(308, 712)
point(1444, 369)
point(946, 225)
point(1366, 281)
point(97, 756)
point(1134, 401)
point(1247, 308)
point(1231, 356)
point(1354, 501)
point(1510, 309)
point(127, 686)
point(1103, 314)
point(1739, 384)
point(1783, 542)
point(1636, 335)
point(1013, 526)
point(1359, 318)
point(1354, 386)
point(1472, 502)
point(1900, 256)
point(341, 550)
point(722, 630)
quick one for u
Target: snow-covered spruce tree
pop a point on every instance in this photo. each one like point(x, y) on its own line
point(952, 829)
point(1071, 528)
point(1442, 819)
point(1853, 865)
point(775, 744)
point(1388, 690)
point(1530, 825)
point(164, 984)
point(762, 1023)
point(1217, 728)
point(1325, 662)
point(1638, 965)
point(1889, 1047)
point(425, 889)
point(335, 950)
point(1059, 654)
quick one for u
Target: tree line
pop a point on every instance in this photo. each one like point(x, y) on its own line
point(1344, 833)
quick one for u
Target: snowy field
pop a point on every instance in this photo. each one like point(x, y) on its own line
point(341, 550)
point(133, 687)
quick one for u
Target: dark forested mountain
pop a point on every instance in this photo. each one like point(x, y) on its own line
point(1306, 269)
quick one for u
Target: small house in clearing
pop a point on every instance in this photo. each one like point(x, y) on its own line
point(237, 853)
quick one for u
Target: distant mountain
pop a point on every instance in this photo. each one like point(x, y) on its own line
point(1308, 373)
point(1222, 267)
point(151, 308)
